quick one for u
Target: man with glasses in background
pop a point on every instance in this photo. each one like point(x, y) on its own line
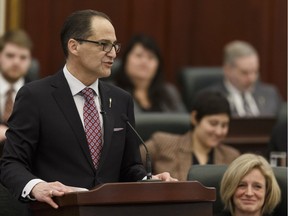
point(67, 131)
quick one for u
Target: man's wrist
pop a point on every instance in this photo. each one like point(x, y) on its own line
point(26, 193)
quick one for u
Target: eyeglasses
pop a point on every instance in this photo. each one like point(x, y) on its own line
point(106, 46)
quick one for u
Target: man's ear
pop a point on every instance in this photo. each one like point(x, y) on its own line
point(72, 46)
point(193, 118)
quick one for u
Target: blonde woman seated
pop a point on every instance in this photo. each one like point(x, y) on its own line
point(175, 153)
point(249, 187)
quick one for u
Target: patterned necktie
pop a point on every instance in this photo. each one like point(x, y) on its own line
point(248, 111)
point(8, 105)
point(92, 125)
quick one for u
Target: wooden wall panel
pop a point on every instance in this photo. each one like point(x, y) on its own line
point(189, 32)
point(277, 52)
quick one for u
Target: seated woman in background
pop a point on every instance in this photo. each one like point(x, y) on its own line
point(140, 73)
point(210, 118)
point(249, 187)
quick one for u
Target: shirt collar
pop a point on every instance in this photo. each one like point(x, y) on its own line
point(76, 85)
point(231, 88)
point(5, 85)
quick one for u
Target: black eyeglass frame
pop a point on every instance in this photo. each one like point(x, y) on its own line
point(117, 46)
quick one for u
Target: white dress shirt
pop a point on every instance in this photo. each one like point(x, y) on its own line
point(236, 101)
point(76, 87)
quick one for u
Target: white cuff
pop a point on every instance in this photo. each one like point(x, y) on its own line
point(28, 188)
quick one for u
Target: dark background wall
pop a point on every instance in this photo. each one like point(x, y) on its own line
point(189, 32)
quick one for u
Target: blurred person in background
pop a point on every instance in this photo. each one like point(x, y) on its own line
point(15, 60)
point(141, 74)
point(249, 187)
point(247, 95)
point(176, 153)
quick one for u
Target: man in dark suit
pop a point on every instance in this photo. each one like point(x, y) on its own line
point(247, 95)
point(15, 60)
point(52, 147)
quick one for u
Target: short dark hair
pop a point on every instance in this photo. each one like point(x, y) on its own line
point(18, 37)
point(78, 25)
point(210, 103)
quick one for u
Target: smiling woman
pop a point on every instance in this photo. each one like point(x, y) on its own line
point(202, 144)
point(249, 187)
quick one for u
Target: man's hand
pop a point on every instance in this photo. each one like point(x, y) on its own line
point(44, 192)
point(165, 176)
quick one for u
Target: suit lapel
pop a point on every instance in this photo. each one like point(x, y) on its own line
point(64, 100)
point(108, 120)
point(259, 98)
point(228, 96)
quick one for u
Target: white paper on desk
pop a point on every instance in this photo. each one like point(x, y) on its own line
point(78, 189)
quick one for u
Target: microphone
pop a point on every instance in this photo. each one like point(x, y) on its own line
point(148, 159)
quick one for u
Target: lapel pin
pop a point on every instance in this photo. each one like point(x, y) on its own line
point(110, 102)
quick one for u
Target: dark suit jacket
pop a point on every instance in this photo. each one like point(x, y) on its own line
point(46, 138)
point(266, 97)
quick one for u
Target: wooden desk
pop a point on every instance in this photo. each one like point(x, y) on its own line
point(250, 134)
point(130, 199)
point(257, 145)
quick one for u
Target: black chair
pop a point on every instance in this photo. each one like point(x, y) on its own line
point(148, 123)
point(211, 175)
point(194, 79)
point(282, 114)
point(34, 71)
point(278, 138)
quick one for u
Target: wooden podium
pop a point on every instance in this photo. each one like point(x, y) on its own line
point(134, 199)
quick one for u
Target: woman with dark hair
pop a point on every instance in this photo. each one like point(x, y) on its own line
point(140, 73)
point(202, 144)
